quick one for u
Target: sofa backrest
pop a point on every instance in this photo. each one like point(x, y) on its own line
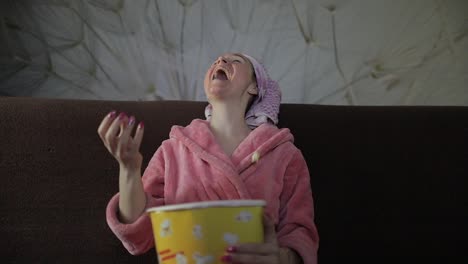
point(389, 183)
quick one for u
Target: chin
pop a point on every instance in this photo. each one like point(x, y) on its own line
point(215, 93)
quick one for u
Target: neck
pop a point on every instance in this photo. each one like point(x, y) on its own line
point(228, 121)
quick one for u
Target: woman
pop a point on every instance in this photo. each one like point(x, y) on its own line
point(237, 153)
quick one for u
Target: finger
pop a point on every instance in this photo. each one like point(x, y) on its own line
point(254, 248)
point(250, 259)
point(111, 134)
point(269, 229)
point(123, 124)
point(124, 137)
point(105, 124)
point(138, 135)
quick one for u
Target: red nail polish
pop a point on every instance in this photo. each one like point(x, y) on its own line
point(231, 249)
point(141, 125)
point(131, 121)
point(112, 114)
point(122, 116)
point(226, 258)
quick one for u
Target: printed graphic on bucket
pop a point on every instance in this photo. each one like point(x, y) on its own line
point(199, 233)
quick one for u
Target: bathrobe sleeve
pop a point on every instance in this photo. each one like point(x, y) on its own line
point(137, 237)
point(296, 228)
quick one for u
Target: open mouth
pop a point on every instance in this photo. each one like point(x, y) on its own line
point(220, 74)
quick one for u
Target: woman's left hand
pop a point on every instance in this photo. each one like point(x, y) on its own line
point(256, 253)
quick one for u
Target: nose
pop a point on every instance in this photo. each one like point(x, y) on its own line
point(221, 59)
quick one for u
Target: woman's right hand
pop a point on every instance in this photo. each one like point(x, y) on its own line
point(115, 132)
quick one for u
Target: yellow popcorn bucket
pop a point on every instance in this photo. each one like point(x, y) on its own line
point(200, 232)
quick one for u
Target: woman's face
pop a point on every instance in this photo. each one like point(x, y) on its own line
point(230, 77)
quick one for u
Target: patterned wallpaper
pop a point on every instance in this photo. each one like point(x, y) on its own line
point(354, 52)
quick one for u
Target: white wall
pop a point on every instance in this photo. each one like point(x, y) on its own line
point(356, 52)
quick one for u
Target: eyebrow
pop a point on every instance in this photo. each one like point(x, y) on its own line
point(239, 55)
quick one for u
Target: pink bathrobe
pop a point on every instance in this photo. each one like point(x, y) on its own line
point(191, 166)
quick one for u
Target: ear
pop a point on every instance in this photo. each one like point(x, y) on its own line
point(253, 89)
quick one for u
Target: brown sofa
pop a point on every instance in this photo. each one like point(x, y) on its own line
point(389, 183)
